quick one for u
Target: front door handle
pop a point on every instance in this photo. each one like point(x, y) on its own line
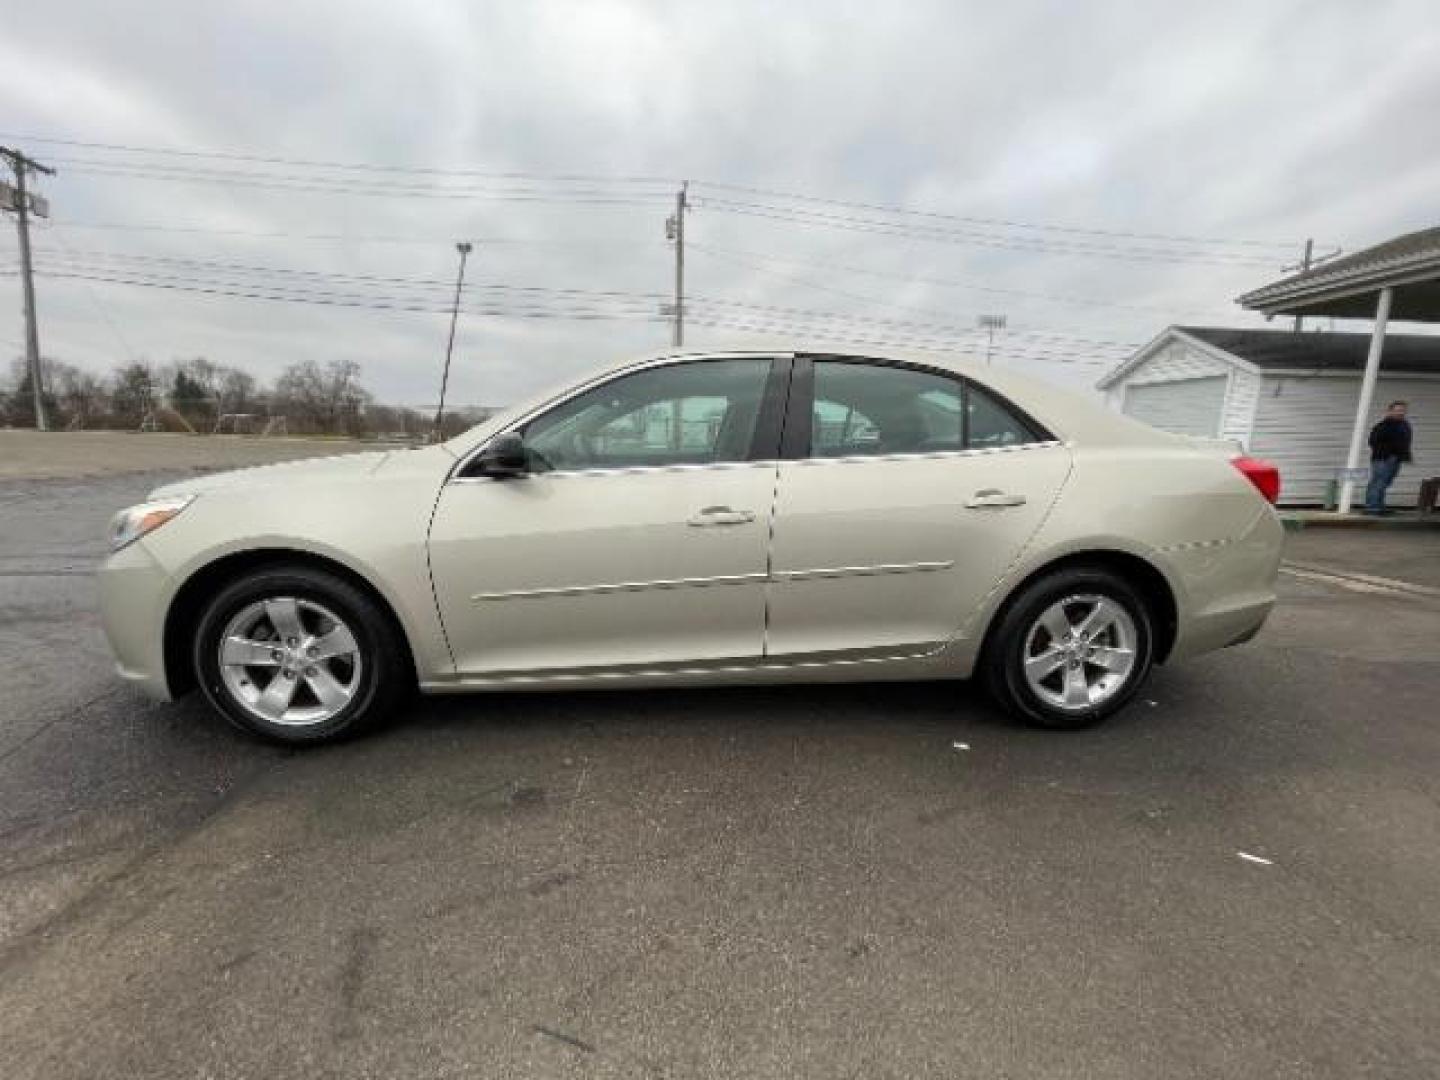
point(991, 498)
point(721, 515)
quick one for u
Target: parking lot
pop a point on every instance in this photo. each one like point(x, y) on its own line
point(1237, 877)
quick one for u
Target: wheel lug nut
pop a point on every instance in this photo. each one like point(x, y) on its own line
point(276, 654)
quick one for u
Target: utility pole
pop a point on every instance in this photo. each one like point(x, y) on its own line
point(21, 166)
point(675, 230)
point(1304, 266)
point(463, 247)
point(990, 323)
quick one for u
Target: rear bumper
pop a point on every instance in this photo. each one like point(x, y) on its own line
point(133, 590)
point(1220, 629)
point(1229, 589)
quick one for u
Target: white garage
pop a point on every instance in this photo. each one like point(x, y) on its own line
point(1286, 396)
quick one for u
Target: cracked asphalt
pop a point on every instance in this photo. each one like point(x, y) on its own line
point(795, 882)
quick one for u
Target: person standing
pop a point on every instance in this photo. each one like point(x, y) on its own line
point(1389, 449)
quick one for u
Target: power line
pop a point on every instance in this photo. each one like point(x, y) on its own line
point(899, 307)
point(250, 269)
point(226, 155)
point(956, 236)
point(550, 309)
point(325, 186)
point(948, 283)
point(262, 292)
point(95, 297)
point(997, 222)
point(763, 327)
point(352, 238)
point(659, 181)
point(180, 270)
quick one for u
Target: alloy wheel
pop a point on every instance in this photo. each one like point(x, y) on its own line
point(290, 661)
point(1080, 652)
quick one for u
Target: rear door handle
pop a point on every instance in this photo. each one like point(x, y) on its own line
point(993, 498)
point(721, 515)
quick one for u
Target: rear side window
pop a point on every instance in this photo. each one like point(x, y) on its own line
point(863, 410)
point(870, 409)
point(993, 424)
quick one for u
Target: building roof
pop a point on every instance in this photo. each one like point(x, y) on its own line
point(1345, 288)
point(1288, 350)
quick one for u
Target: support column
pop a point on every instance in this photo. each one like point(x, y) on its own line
point(1367, 392)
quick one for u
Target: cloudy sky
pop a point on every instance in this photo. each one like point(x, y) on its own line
point(298, 173)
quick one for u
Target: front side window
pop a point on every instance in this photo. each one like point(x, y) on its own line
point(864, 409)
point(697, 413)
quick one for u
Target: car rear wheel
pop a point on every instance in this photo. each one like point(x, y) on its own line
point(1072, 648)
point(298, 655)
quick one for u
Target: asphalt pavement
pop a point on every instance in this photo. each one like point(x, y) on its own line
point(1235, 878)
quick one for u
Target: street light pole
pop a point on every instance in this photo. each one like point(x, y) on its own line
point(463, 247)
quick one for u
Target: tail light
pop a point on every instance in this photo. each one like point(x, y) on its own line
point(1265, 475)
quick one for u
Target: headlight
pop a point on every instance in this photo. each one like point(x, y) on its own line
point(131, 524)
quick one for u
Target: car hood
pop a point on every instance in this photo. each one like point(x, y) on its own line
point(290, 473)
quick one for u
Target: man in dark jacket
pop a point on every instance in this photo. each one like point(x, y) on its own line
point(1389, 449)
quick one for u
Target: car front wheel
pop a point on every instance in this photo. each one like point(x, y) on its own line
point(1071, 649)
point(298, 655)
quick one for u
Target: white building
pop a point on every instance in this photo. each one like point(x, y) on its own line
point(1289, 397)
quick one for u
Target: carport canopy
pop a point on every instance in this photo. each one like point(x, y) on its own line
point(1397, 279)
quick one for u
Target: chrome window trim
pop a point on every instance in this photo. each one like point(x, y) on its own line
point(768, 463)
point(933, 455)
point(594, 384)
point(629, 470)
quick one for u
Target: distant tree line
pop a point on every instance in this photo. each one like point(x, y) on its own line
point(197, 394)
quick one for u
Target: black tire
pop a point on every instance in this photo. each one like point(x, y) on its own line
point(1002, 664)
point(381, 679)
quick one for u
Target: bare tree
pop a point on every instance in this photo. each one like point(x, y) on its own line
point(237, 391)
point(329, 399)
point(82, 395)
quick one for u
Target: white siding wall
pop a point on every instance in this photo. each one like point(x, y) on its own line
point(1178, 361)
point(1238, 422)
point(1303, 425)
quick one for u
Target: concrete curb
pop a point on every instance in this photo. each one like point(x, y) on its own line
point(1311, 519)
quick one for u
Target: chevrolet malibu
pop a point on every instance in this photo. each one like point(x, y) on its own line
point(699, 519)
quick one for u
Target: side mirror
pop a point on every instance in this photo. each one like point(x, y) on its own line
point(504, 457)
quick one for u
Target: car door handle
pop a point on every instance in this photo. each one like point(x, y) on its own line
point(991, 498)
point(721, 515)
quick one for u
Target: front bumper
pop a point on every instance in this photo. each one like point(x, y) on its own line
point(134, 590)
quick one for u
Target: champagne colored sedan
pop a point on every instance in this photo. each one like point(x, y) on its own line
point(697, 519)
